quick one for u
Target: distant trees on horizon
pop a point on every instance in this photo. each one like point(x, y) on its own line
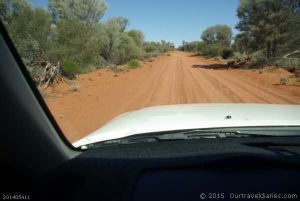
point(268, 30)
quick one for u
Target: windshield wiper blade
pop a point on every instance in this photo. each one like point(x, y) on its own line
point(199, 134)
point(244, 132)
point(191, 134)
point(194, 134)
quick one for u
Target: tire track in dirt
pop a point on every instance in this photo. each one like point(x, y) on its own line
point(196, 88)
point(223, 92)
point(242, 93)
point(246, 91)
point(264, 95)
point(276, 96)
point(145, 92)
point(191, 90)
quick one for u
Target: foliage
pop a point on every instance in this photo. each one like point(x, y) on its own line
point(162, 46)
point(212, 50)
point(150, 47)
point(111, 40)
point(152, 54)
point(268, 30)
point(259, 57)
point(153, 49)
point(71, 31)
point(80, 10)
point(78, 42)
point(29, 30)
point(227, 53)
point(220, 34)
point(128, 49)
point(244, 43)
point(283, 80)
point(288, 63)
point(133, 63)
point(206, 49)
point(165, 46)
point(270, 25)
point(8, 7)
point(137, 36)
point(194, 46)
point(70, 68)
point(74, 87)
point(119, 46)
point(239, 56)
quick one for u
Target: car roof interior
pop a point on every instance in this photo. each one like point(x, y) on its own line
point(37, 160)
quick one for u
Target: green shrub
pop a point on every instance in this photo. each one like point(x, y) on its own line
point(283, 80)
point(259, 57)
point(150, 48)
point(227, 53)
point(162, 46)
point(115, 68)
point(288, 63)
point(133, 63)
point(127, 50)
point(239, 56)
point(212, 50)
point(152, 54)
point(200, 46)
point(74, 87)
point(70, 68)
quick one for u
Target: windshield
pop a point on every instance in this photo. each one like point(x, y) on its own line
point(100, 65)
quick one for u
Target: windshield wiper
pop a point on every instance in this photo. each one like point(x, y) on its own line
point(199, 134)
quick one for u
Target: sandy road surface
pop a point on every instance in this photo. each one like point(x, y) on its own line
point(173, 79)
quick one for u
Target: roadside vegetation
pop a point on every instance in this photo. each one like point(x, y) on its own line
point(133, 64)
point(268, 35)
point(72, 34)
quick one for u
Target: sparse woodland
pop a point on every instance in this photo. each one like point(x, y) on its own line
point(70, 37)
point(73, 35)
point(269, 34)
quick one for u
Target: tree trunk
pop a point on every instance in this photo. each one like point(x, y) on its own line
point(274, 48)
point(268, 50)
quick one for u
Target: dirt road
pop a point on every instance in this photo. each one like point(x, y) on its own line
point(174, 79)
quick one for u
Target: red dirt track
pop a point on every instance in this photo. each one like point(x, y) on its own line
point(174, 79)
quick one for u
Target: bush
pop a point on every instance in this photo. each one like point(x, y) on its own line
point(194, 46)
point(150, 48)
point(227, 53)
point(74, 87)
point(76, 41)
point(201, 46)
point(212, 50)
point(133, 63)
point(115, 68)
point(70, 68)
point(259, 57)
point(283, 80)
point(288, 63)
point(161, 46)
point(239, 56)
point(152, 54)
point(128, 50)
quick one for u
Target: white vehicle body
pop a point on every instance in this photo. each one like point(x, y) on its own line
point(194, 116)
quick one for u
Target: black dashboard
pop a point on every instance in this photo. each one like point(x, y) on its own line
point(207, 169)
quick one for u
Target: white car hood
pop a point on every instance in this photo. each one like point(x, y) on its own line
point(194, 116)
